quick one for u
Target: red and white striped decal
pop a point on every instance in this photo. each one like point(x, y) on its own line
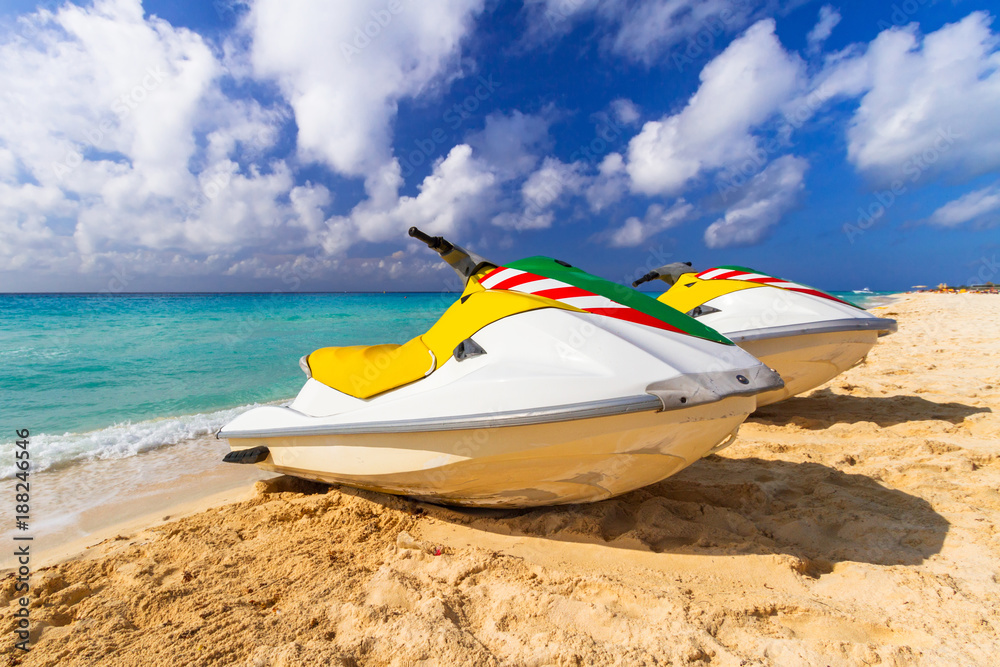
point(515, 280)
point(731, 274)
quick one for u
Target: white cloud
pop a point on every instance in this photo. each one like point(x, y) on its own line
point(625, 111)
point(740, 90)
point(510, 143)
point(547, 19)
point(344, 66)
point(656, 220)
point(25, 235)
point(107, 168)
point(610, 184)
point(928, 106)
point(650, 28)
point(845, 74)
point(766, 199)
point(971, 206)
point(458, 192)
point(95, 101)
point(640, 31)
point(552, 179)
point(142, 165)
point(450, 198)
point(545, 189)
point(828, 20)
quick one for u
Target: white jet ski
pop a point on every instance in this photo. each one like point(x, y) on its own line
point(805, 334)
point(541, 385)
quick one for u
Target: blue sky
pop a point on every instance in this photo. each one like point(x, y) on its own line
point(268, 145)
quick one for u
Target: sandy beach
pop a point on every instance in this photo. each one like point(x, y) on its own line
point(854, 525)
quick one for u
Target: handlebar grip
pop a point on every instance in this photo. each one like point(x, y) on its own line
point(420, 236)
point(436, 243)
point(652, 275)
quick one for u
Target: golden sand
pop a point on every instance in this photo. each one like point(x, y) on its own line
point(856, 525)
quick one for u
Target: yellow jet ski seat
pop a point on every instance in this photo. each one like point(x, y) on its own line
point(364, 371)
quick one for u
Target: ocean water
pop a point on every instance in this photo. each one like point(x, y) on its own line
point(113, 376)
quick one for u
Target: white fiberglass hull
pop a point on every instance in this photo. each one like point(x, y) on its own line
point(515, 466)
point(808, 340)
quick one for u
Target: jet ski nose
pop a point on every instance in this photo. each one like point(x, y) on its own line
point(688, 390)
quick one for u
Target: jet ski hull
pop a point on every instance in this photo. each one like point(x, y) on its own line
point(516, 466)
point(807, 339)
point(806, 361)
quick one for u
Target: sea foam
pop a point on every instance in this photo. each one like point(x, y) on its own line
point(118, 441)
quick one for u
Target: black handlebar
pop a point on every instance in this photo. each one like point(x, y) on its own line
point(436, 243)
point(466, 264)
point(652, 275)
point(668, 273)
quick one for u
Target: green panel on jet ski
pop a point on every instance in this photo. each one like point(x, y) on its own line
point(550, 268)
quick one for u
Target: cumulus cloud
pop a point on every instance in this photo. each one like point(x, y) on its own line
point(625, 111)
point(766, 199)
point(928, 105)
point(657, 219)
point(344, 67)
point(97, 103)
point(828, 20)
point(511, 143)
point(975, 205)
point(542, 191)
point(456, 193)
point(648, 29)
point(609, 185)
point(111, 160)
point(740, 89)
point(143, 163)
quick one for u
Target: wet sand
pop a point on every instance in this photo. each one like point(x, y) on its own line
point(854, 525)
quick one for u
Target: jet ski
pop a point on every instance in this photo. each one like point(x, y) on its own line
point(542, 384)
point(805, 334)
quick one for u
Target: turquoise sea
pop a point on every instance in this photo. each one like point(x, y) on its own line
point(110, 376)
